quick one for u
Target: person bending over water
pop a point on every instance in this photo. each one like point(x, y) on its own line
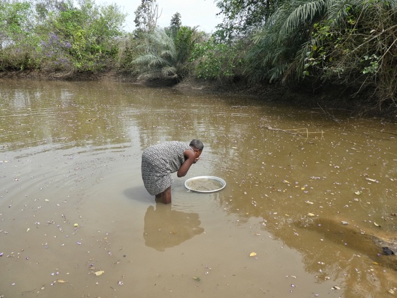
point(159, 161)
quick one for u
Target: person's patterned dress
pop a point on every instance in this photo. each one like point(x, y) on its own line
point(159, 161)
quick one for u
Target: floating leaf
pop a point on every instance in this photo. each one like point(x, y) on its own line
point(76, 225)
point(61, 281)
point(196, 278)
point(100, 272)
point(376, 225)
point(358, 192)
point(311, 214)
point(391, 291)
point(309, 202)
point(253, 254)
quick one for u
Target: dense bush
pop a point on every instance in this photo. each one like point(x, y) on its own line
point(60, 36)
point(350, 43)
point(217, 61)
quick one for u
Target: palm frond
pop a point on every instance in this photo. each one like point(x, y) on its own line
point(302, 12)
point(338, 10)
point(159, 57)
point(169, 72)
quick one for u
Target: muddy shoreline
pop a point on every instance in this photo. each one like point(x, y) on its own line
point(330, 100)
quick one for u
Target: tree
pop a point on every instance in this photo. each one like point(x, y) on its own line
point(81, 37)
point(160, 57)
point(175, 24)
point(165, 57)
point(146, 16)
point(241, 17)
point(17, 42)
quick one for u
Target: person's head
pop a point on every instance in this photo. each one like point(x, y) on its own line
point(197, 144)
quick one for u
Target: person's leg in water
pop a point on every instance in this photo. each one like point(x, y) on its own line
point(165, 196)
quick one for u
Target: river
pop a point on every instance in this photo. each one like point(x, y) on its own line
point(309, 194)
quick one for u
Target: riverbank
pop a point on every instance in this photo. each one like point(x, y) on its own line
point(329, 100)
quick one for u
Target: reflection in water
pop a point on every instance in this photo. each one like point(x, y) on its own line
point(165, 228)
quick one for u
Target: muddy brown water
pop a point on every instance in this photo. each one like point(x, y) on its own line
point(303, 188)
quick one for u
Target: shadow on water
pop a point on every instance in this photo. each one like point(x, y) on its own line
point(165, 227)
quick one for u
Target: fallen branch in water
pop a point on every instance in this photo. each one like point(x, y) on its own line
point(297, 131)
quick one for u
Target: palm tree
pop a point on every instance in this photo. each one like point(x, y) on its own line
point(160, 57)
point(166, 57)
point(283, 36)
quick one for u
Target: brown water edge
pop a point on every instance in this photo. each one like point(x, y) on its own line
point(330, 100)
point(70, 155)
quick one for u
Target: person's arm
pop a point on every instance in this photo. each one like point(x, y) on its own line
point(190, 158)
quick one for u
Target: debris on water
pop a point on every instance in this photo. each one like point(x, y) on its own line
point(311, 214)
point(376, 225)
point(387, 251)
point(358, 192)
point(253, 254)
point(372, 180)
point(99, 273)
point(76, 225)
point(196, 278)
point(309, 202)
point(391, 291)
point(344, 223)
point(335, 288)
point(61, 281)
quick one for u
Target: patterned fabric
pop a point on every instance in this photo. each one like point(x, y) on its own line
point(159, 161)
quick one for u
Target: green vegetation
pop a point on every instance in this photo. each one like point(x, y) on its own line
point(53, 36)
point(348, 43)
point(314, 44)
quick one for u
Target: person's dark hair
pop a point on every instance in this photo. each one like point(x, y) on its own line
point(197, 144)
